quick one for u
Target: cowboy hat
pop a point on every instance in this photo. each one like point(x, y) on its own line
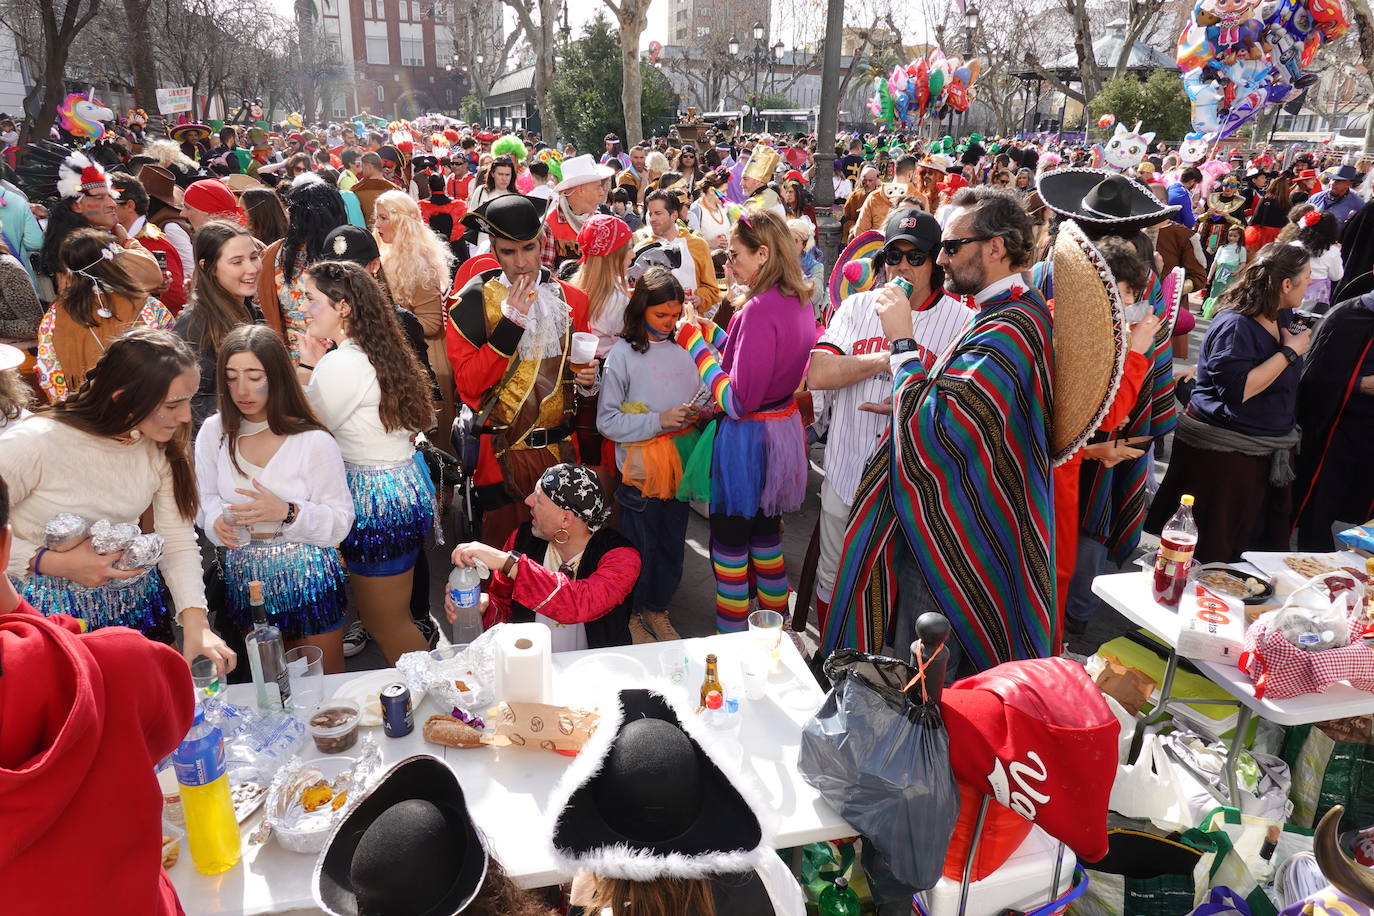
point(161, 185)
point(1090, 340)
point(581, 170)
point(1342, 173)
point(1099, 197)
point(648, 797)
point(409, 846)
point(237, 181)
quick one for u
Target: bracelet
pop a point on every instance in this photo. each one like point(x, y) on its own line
point(37, 558)
point(1289, 354)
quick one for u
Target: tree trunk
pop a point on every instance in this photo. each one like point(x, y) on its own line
point(144, 66)
point(1088, 74)
point(54, 91)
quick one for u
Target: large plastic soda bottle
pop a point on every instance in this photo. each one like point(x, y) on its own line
point(465, 588)
point(839, 899)
point(212, 832)
point(1177, 543)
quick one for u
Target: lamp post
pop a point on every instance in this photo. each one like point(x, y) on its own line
point(758, 57)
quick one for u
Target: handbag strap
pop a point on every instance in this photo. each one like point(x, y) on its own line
point(1076, 889)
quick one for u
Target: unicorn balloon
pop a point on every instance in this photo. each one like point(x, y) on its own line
point(1127, 147)
point(81, 115)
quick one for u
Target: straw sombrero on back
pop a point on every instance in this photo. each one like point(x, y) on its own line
point(1089, 340)
point(854, 269)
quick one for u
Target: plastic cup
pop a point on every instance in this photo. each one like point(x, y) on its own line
point(754, 673)
point(765, 630)
point(204, 678)
point(583, 349)
point(305, 669)
point(673, 664)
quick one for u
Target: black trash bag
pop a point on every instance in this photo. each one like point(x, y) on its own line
point(882, 762)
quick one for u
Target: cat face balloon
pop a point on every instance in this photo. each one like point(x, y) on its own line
point(1193, 148)
point(1126, 147)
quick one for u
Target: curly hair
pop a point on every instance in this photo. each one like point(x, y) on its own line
point(998, 212)
point(406, 400)
point(168, 154)
point(1258, 291)
point(1319, 233)
point(416, 262)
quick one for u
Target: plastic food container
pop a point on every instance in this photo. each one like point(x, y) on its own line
point(334, 725)
point(172, 836)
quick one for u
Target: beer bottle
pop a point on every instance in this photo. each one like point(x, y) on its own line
point(711, 681)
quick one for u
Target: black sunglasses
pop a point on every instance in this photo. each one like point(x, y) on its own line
point(951, 246)
point(893, 257)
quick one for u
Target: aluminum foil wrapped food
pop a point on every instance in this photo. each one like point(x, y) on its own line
point(143, 551)
point(111, 537)
point(64, 531)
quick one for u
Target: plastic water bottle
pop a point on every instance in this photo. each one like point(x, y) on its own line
point(212, 831)
point(465, 588)
point(839, 900)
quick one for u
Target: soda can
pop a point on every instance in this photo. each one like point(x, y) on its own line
point(398, 719)
point(902, 284)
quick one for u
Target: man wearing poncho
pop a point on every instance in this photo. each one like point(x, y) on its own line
point(955, 511)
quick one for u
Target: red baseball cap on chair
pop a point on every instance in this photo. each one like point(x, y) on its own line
point(1037, 736)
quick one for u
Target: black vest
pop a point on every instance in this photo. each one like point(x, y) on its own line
point(613, 627)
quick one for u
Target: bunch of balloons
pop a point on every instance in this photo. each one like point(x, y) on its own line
point(1239, 56)
point(934, 85)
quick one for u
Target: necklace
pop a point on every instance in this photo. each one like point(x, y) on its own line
point(252, 427)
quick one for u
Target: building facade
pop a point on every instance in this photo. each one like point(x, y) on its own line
point(397, 57)
point(710, 22)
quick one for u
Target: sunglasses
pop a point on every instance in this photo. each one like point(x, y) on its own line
point(913, 257)
point(951, 246)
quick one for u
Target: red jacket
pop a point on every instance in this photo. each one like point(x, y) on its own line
point(478, 369)
point(84, 719)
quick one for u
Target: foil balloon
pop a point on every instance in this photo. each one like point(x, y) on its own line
point(1106, 121)
point(81, 115)
point(1194, 148)
point(1126, 148)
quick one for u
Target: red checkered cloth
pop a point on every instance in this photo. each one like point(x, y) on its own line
point(1281, 670)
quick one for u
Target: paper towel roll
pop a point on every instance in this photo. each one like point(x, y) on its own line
point(524, 668)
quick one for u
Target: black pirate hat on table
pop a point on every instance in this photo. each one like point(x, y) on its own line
point(649, 797)
point(517, 217)
point(410, 847)
point(1099, 197)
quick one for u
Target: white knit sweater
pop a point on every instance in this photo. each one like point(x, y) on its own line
point(51, 467)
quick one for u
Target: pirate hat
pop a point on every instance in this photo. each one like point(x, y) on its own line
point(517, 217)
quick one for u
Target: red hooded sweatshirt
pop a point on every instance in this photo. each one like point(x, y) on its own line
point(84, 719)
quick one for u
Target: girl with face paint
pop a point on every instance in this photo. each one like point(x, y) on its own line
point(649, 388)
point(274, 499)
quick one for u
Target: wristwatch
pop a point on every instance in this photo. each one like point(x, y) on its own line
point(1289, 354)
point(903, 345)
point(292, 510)
point(511, 559)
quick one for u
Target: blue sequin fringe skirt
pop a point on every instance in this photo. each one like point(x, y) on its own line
point(140, 605)
point(393, 511)
point(303, 586)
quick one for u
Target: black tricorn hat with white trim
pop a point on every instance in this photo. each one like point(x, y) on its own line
point(649, 797)
point(1100, 197)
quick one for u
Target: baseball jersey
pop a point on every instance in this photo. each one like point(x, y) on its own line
point(855, 331)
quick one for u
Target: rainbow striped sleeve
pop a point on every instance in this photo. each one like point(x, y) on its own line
point(718, 337)
point(689, 337)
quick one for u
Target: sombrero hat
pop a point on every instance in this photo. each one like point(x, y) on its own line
point(183, 133)
point(1172, 291)
point(1100, 197)
point(854, 269)
point(1089, 340)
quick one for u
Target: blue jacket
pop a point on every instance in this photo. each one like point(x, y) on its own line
point(1179, 197)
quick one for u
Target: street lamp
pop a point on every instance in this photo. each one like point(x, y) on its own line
point(759, 56)
point(970, 26)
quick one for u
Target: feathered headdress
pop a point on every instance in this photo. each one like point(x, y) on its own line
point(54, 171)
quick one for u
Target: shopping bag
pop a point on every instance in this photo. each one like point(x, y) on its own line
point(1154, 788)
point(1143, 874)
point(1263, 779)
point(1332, 764)
point(1238, 863)
point(882, 761)
point(1222, 901)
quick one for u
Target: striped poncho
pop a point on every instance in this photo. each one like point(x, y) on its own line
point(963, 483)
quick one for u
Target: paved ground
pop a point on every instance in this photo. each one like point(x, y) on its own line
point(693, 610)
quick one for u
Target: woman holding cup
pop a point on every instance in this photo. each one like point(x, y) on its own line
point(274, 496)
point(606, 255)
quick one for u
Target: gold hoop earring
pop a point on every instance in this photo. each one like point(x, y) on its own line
point(564, 533)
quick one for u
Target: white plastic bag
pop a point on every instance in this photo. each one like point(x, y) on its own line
point(1154, 788)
